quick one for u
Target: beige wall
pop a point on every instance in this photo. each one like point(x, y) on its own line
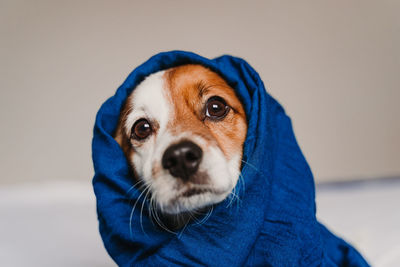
point(334, 65)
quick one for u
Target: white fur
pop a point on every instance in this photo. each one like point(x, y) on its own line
point(152, 101)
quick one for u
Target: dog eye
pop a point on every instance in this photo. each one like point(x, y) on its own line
point(141, 129)
point(216, 108)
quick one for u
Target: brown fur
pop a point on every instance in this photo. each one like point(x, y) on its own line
point(121, 135)
point(190, 86)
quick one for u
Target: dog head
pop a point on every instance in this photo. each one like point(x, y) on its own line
point(182, 131)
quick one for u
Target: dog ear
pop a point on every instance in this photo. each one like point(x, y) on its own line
point(120, 131)
point(120, 134)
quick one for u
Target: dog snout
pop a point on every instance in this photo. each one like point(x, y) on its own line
point(183, 159)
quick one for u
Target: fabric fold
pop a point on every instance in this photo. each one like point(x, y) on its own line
point(274, 222)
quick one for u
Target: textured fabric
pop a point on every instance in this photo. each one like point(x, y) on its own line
point(274, 222)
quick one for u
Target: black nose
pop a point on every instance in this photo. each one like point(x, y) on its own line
point(182, 159)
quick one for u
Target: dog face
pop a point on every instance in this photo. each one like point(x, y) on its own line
point(182, 131)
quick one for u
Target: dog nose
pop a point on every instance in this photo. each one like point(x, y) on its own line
point(182, 159)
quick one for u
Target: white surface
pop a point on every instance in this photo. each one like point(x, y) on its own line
point(51, 224)
point(367, 215)
point(54, 224)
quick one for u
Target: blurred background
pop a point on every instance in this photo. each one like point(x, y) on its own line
point(333, 65)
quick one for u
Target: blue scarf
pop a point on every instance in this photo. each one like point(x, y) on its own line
point(273, 223)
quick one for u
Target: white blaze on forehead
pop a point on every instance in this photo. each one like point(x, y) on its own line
point(150, 101)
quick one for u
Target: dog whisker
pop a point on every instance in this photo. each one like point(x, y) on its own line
point(140, 189)
point(133, 186)
point(250, 165)
point(233, 198)
point(141, 211)
point(232, 194)
point(134, 207)
point(157, 218)
point(184, 227)
point(241, 180)
point(206, 217)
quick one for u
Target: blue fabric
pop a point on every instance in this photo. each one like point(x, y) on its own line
point(274, 223)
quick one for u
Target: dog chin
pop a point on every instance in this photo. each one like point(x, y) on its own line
point(194, 200)
point(185, 209)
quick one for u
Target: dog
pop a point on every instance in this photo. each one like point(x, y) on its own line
point(182, 131)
